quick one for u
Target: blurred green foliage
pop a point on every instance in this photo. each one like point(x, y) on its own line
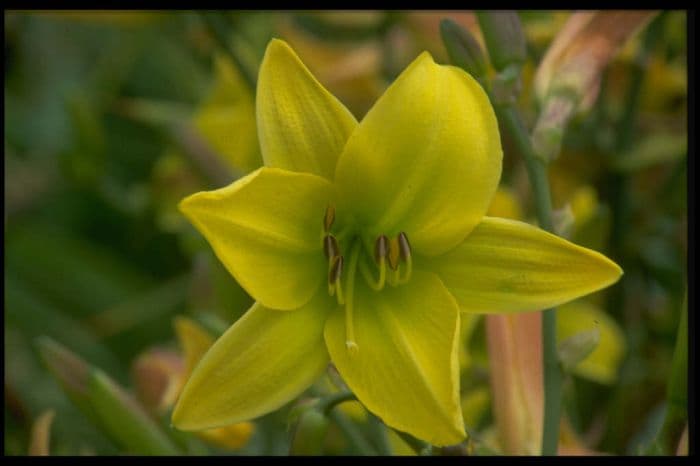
point(100, 145)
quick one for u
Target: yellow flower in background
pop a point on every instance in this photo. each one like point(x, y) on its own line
point(350, 71)
point(362, 243)
point(226, 118)
point(603, 364)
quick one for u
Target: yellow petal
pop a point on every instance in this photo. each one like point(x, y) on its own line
point(229, 437)
point(425, 160)
point(510, 266)
point(263, 361)
point(405, 369)
point(194, 341)
point(604, 361)
point(265, 229)
point(301, 126)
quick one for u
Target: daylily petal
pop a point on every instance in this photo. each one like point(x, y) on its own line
point(301, 126)
point(510, 266)
point(265, 229)
point(425, 160)
point(264, 360)
point(406, 368)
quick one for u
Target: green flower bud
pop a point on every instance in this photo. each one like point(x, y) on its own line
point(463, 49)
point(309, 433)
point(577, 347)
point(504, 37)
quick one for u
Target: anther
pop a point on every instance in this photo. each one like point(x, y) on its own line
point(336, 270)
point(404, 246)
point(394, 253)
point(405, 252)
point(330, 246)
point(328, 218)
point(380, 254)
point(380, 249)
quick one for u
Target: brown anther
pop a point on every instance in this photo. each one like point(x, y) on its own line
point(336, 270)
point(404, 246)
point(380, 248)
point(329, 218)
point(394, 253)
point(330, 246)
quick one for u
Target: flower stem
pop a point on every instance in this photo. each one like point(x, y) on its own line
point(418, 446)
point(537, 172)
point(353, 434)
point(331, 401)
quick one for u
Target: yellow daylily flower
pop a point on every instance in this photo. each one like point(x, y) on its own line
point(362, 242)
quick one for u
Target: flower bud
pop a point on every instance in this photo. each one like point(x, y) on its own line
point(309, 433)
point(463, 49)
point(504, 37)
point(158, 375)
point(70, 370)
point(577, 347)
point(41, 434)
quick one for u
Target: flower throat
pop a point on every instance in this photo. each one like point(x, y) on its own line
point(394, 252)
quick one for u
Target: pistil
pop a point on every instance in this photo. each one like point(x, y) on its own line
point(350, 342)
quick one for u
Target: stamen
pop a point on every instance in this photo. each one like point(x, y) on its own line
point(380, 253)
point(405, 250)
point(330, 246)
point(380, 249)
point(404, 246)
point(335, 272)
point(329, 218)
point(336, 269)
point(377, 284)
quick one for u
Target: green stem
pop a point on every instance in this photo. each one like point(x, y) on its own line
point(379, 433)
point(353, 434)
point(537, 172)
point(677, 389)
point(418, 446)
point(331, 401)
